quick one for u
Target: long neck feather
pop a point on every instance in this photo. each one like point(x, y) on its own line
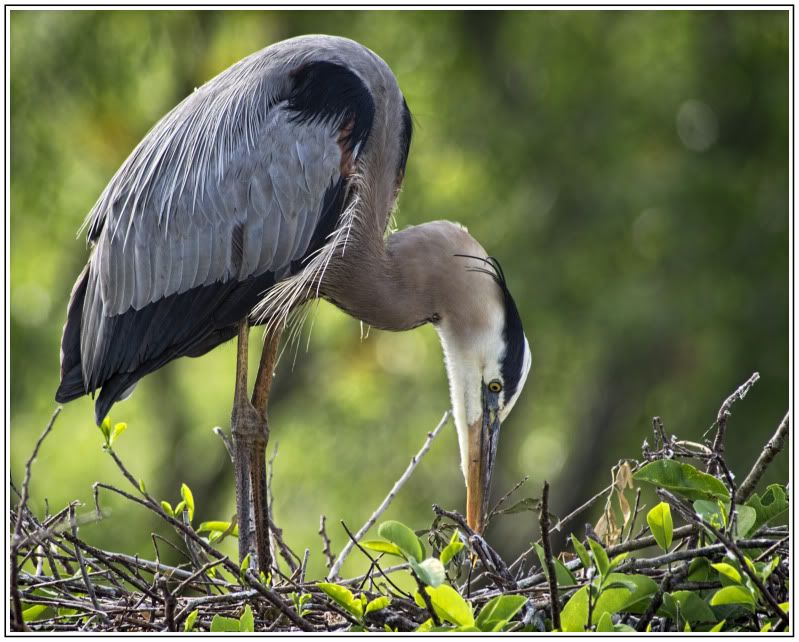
point(410, 279)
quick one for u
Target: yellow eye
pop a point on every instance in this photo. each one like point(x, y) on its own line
point(495, 386)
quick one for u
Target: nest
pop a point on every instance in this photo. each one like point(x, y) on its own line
point(60, 582)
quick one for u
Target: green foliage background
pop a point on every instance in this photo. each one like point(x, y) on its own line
point(629, 169)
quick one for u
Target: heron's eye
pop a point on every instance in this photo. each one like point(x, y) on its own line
point(495, 386)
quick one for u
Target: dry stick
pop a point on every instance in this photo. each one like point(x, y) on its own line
point(389, 498)
point(276, 600)
point(553, 580)
point(721, 420)
point(329, 559)
point(169, 604)
point(767, 455)
point(689, 514)
point(82, 564)
point(27, 479)
point(771, 549)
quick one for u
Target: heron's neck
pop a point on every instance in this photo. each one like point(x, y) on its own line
point(394, 284)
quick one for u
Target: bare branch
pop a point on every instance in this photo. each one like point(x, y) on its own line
point(721, 419)
point(553, 580)
point(767, 455)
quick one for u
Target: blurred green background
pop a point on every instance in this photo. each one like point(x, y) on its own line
point(629, 169)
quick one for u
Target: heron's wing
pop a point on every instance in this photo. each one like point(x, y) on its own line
point(230, 192)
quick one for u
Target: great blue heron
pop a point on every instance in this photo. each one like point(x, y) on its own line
point(268, 186)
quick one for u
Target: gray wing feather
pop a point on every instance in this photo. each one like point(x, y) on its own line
point(270, 195)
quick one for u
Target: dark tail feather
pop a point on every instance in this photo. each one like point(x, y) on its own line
point(72, 385)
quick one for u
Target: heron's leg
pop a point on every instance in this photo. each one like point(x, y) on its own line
point(244, 431)
point(260, 399)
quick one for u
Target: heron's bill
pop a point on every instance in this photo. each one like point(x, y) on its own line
point(483, 437)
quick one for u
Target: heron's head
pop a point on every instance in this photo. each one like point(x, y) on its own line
point(488, 359)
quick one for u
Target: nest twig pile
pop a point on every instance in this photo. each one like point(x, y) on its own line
point(60, 582)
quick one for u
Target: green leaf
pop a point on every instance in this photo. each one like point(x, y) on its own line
point(343, 597)
point(769, 568)
point(188, 497)
point(623, 628)
point(430, 572)
point(403, 537)
point(167, 508)
point(605, 624)
point(661, 525)
point(191, 618)
point(641, 587)
point(733, 595)
point(618, 560)
point(142, 487)
point(600, 557)
point(771, 505)
point(692, 607)
point(179, 508)
point(581, 552)
point(34, 612)
point(454, 547)
point(218, 526)
point(575, 613)
point(747, 517)
point(448, 605)
point(244, 566)
point(712, 512)
point(247, 621)
point(498, 612)
point(381, 546)
point(562, 575)
point(612, 600)
point(377, 604)
point(222, 624)
point(718, 627)
point(728, 571)
point(105, 429)
point(699, 570)
point(682, 479)
point(117, 431)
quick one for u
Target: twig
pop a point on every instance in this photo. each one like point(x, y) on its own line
point(329, 559)
point(505, 497)
point(275, 599)
point(169, 604)
point(721, 419)
point(657, 598)
point(228, 446)
point(635, 514)
point(23, 501)
point(426, 599)
point(767, 455)
point(84, 573)
point(389, 498)
point(553, 580)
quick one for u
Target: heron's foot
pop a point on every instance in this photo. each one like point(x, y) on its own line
point(250, 431)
